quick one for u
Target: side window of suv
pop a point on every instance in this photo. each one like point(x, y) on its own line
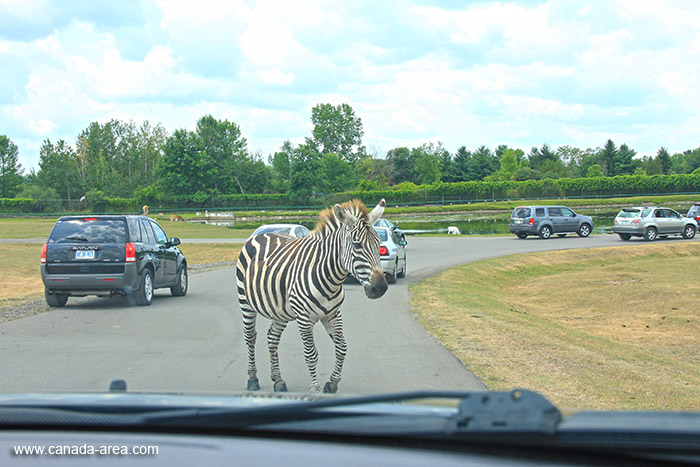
point(134, 230)
point(567, 212)
point(659, 213)
point(539, 212)
point(554, 212)
point(161, 238)
point(147, 234)
point(671, 213)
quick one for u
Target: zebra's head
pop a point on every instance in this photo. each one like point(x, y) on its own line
point(361, 252)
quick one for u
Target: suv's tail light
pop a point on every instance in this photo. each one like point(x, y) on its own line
point(636, 221)
point(532, 221)
point(43, 253)
point(88, 219)
point(130, 251)
point(383, 251)
point(697, 218)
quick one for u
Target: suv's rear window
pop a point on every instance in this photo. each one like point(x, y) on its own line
point(521, 212)
point(89, 231)
point(627, 213)
point(382, 235)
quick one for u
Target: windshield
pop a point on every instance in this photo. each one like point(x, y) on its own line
point(89, 231)
point(516, 151)
point(629, 213)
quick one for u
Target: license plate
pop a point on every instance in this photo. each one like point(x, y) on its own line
point(518, 221)
point(85, 254)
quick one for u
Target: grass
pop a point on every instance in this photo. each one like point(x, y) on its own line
point(611, 328)
point(21, 281)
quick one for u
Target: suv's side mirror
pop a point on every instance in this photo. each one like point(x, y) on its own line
point(174, 241)
point(403, 243)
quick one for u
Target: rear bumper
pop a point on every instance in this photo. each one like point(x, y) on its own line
point(92, 284)
point(520, 228)
point(388, 264)
point(629, 229)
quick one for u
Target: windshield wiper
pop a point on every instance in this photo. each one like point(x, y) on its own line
point(73, 237)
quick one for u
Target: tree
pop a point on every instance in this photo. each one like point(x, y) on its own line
point(426, 165)
point(624, 160)
point(10, 168)
point(336, 174)
point(181, 170)
point(225, 155)
point(400, 165)
point(281, 167)
point(306, 165)
point(664, 160)
point(338, 130)
point(594, 171)
point(58, 170)
point(608, 155)
point(509, 165)
point(482, 163)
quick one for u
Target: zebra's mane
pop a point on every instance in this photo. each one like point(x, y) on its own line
point(329, 223)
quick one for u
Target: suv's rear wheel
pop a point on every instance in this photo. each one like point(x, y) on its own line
point(55, 300)
point(625, 236)
point(180, 288)
point(689, 231)
point(584, 230)
point(545, 232)
point(144, 294)
point(650, 234)
point(522, 235)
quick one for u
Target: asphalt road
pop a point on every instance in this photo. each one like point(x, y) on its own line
point(195, 343)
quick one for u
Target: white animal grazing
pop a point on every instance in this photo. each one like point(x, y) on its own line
point(453, 230)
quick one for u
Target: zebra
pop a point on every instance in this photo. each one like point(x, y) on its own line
point(284, 278)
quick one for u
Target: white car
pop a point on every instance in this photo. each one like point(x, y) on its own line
point(392, 254)
point(295, 230)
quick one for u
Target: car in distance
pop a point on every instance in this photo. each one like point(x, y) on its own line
point(546, 221)
point(652, 222)
point(386, 223)
point(694, 212)
point(108, 256)
point(295, 230)
point(392, 254)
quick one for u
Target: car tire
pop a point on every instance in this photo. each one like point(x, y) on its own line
point(403, 270)
point(180, 287)
point(55, 300)
point(584, 230)
point(144, 294)
point(522, 235)
point(650, 234)
point(689, 231)
point(391, 278)
point(561, 235)
point(545, 232)
point(624, 236)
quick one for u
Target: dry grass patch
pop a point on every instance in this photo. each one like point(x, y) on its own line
point(204, 253)
point(599, 328)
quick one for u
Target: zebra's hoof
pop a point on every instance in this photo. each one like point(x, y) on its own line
point(330, 388)
point(253, 384)
point(280, 386)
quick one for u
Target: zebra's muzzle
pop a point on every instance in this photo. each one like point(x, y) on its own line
point(377, 285)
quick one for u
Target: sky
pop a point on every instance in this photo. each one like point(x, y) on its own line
point(463, 73)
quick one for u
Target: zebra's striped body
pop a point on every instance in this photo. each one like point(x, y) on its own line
point(283, 279)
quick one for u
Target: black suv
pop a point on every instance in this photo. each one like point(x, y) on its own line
point(110, 255)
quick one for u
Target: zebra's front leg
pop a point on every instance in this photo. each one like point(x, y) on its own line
point(306, 329)
point(250, 335)
point(334, 327)
point(273, 342)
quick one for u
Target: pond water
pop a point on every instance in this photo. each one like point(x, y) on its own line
point(468, 223)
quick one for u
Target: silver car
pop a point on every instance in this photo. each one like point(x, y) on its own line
point(295, 230)
point(652, 222)
point(392, 254)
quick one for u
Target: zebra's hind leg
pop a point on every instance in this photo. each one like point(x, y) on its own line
point(250, 335)
point(306, 329)
point(273, 341)
point(334, 327)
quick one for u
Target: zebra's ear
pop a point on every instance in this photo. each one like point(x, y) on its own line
point(344, 216)
point(377, 212)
